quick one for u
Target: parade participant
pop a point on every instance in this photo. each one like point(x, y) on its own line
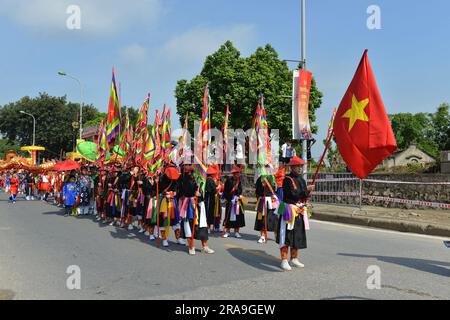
point(137, 199)
point(234, 210)
point(7, 182)
point(150, 206)
point(102, 189)
point(293, 217)
point(279, 176)
point(84, 192)
point(193, 214)
point(126, 186)
point(169, 215)
point(44, 186)
point(266, 220)
point(113, 201)
point(70, 194)
point(212, 201)
point(14, 188)
point(29, 186)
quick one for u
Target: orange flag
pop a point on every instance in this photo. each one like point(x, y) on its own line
point(362, 129)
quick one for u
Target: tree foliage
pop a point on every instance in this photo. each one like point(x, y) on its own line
point(54, 119)
point(430, 131)
point(238, 81)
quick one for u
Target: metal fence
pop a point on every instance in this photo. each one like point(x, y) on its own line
point(346, 189)
point(337, 188)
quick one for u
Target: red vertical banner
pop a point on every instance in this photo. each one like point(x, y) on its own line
point(301, 129)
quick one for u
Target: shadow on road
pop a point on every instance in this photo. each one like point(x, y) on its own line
point(430, 266)
point(257, 259)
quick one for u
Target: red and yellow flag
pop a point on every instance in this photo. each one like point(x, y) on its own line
point(362, 129)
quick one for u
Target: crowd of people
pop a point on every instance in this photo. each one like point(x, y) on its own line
point(127, 197)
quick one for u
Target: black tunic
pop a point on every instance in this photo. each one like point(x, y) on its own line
point(263, 191)
point(229, 194)
point(189, 190)
point(295, 238)
point(210, 202)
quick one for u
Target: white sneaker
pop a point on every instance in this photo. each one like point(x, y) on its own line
point(262, 240)
point(165, 243)
point(152, 238)
point(208, 250)
point(111, 224)
point(142, 230)
point(130, 227)
point(181, 241)
point(297, 263)
point(147, 233)
point(98, 218)
point(285, 265)
point(237, 235)
point(226, 235)
point(192, 251)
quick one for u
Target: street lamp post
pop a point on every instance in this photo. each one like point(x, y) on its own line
point(63, 74)
point(34, 126)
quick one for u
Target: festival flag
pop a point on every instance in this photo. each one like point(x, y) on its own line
point(201, 145)
point(225, 132)
point(263, 152)
point(142, 120)
point(114, 116)
point(166, 137)
point(185, 142)
point(331, 124)
point(149, 149)
point(102, 145)
point(156, 163)
point(362, 129)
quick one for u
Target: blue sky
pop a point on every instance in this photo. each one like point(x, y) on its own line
point(154, 43)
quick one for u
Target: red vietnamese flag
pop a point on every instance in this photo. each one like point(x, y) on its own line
point(362, 129)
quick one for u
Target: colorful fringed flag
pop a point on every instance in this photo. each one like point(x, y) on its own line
point(225, 132)
point(264, 152)
point(331, 124)
point(185, 142)
point(166, 137)
point(149, 149)
point(142, 120)
point(102, 146)
point(201, 144)
point(155, 164)
point(114, 117)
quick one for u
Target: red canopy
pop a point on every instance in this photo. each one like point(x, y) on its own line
point(66, 166)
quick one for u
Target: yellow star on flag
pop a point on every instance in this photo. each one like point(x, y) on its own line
point(356, 112)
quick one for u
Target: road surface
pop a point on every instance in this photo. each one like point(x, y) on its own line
point(38, 244)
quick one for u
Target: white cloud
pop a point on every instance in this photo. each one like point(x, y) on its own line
point(133, 54)
point(194, 45)
point(98, 17)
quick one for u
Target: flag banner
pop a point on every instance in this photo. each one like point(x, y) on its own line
point(201, 144)
point(362, 128)
point(301, 127)
point(114, 117)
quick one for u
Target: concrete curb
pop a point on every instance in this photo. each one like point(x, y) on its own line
point(387, 224)
point(402, 226)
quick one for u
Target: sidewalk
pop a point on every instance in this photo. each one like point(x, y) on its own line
point(429, 222)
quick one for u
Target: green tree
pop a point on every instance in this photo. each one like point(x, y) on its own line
point(54, 119)
point(441, 126)
point(238, 81)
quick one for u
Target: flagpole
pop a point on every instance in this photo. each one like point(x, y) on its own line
point(303, 66)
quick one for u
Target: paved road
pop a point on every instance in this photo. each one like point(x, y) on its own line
point(37, 244)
